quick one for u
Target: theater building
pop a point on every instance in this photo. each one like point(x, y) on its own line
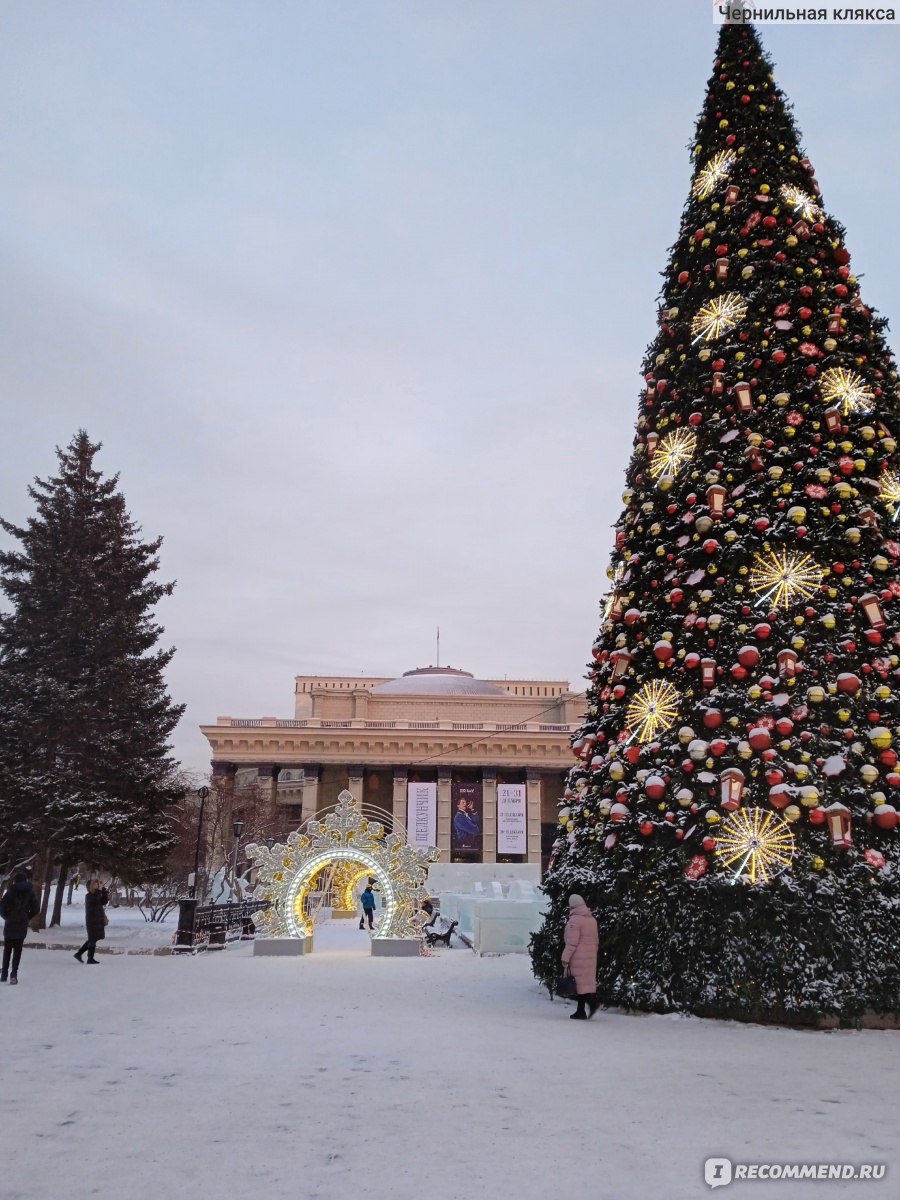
point(475, 766)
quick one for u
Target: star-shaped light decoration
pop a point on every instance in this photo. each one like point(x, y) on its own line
point(779, 577)
point(801, 202)
point(654, 708)
point(846, 388)
point(710, 176)
point(673, 452)
point(889, 482)
point(718, 317)
point(755, 845)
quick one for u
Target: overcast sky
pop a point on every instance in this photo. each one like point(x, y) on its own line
point(355, 294)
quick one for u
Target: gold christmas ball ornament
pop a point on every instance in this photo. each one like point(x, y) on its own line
point(867, 773)
point(809, 796)
point(880, 737)
point(818, 864)
point(816, 695)
point(791, 814)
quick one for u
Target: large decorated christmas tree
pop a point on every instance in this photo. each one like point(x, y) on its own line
point(732, 814)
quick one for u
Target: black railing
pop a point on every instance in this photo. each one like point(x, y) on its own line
point(213, 926)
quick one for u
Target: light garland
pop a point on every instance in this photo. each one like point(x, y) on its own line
point(286, 872)
point(754, 844)
point(718, 317)
point(672, 453)
point(779, 577)
point(801, 202)
point(847, 389)
point(710, 176)
point(654, 708)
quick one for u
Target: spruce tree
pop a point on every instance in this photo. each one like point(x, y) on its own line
point(85, 761)
point(732, 814)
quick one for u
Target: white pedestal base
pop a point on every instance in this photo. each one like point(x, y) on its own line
point(395, 947)
point(282, 946)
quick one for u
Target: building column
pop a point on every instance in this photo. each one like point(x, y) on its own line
point(270, 773)
point(355, 783)
point(533, 813)
point(444, 815)
point(222, 779)
point(401, 783)
point(489, 815)
point(310, 802)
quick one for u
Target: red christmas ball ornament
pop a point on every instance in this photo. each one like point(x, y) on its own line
point(711, 546)
point(663, 651)
point(784, 726)
point(718, 364)
point(712, 718)
point(717, 747)
point(893, 779)
point(708, 843)
point(780, 795)
point(841, 289)
point(817, 816)
point(676, 596)
point(618, 692)
point(812, 370)
point(684, 277)
point(646, 828)
point(738, 673)
point(633, 753)
point(888, 758)
point(748, 656)
point(655, 787)
point(695, 419)
point(774, 776)
point(762, 630)
point(885, 817)
point(761, 524)
point(632, 616)
point(692, 660)
point(778, 357)
point(759, 737)
point(848, 682)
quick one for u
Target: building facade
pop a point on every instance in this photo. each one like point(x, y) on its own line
point(477, 765)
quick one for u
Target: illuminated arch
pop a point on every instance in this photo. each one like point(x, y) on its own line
point(285, 872)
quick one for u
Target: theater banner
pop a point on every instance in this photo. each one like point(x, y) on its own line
point(512, 824)
point(466, 821)
point(421, 814)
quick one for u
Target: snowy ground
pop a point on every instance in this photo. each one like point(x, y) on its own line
point(443, 1078)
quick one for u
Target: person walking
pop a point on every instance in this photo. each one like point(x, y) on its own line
point(95, 920)
point(579, 956)
point(367, 900)
point(18, 906)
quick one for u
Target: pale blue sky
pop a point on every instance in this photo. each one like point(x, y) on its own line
point(356, 293)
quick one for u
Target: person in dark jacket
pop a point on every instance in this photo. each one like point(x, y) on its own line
point(94, 919)
point(367, 900)
point(18, 906)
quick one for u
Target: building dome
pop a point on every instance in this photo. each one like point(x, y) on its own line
point(438, 681)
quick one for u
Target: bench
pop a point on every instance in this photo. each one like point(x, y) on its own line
point(433, 935)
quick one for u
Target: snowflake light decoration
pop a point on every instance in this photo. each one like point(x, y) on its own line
point(755, 845)
point(610, 600)
point(673, 452)
point(654, 708)
point(286, 873)
point(710, 176)
point(801, 202)
point(889, 482)
point(779, 577)
point(847, 389)
point(718, 317)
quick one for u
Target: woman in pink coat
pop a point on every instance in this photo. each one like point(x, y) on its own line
point(580, 956)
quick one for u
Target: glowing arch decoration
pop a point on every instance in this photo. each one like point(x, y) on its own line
point(287, 872)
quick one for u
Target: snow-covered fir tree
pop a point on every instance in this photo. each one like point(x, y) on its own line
point(85, 717)
point(732, 815)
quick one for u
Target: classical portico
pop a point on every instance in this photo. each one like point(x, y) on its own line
point(461, 741)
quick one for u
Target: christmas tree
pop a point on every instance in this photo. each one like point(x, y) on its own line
point(85, 766)
point(732, 814)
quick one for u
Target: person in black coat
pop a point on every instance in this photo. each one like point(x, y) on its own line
point(18, 906)
point(94, 919)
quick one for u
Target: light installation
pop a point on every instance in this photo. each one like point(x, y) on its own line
point(779, 577)
point(801, 202)
point(889, 483)
point(653, 709)
point(672, 453)
point(710, 176)
point(718, 317)
point(847, 389)
point(286, 873)
point(754, 845)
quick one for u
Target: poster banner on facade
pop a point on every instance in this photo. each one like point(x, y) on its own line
point(512, 828)
point(465, 824)
point(421, 814)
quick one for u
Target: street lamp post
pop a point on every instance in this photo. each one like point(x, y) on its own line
point(203, 793)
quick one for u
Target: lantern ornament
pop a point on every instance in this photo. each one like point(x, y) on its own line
point(780, 577)
point(834, 419)
point(787, 663)
point(710, 176)
point(654, 708)
point(754, 845)
point(849, 390)
point(732, 194)
point(733, 782)
point(621, 660)
point(722, 269)
point(836, 322)
point(872, 610)
point(708, 672)
point(652, 441)
point(801, 202)
point(743, 397)
point(718, 317)
point(673, 452)
point(715, 499)
point(838, 817)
